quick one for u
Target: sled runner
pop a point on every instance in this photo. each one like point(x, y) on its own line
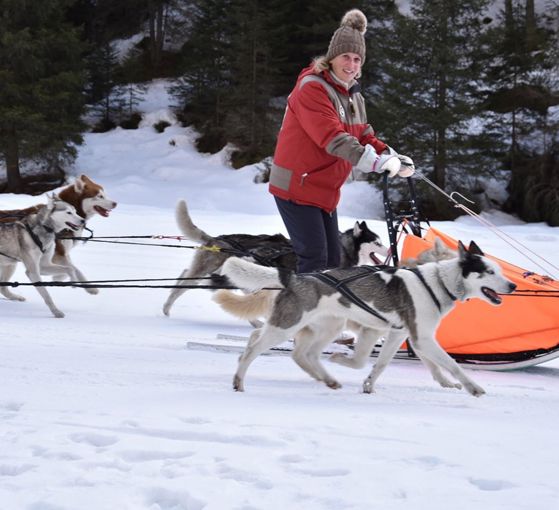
point(522, 332)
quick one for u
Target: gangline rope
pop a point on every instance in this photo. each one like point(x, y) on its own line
point(108, 284)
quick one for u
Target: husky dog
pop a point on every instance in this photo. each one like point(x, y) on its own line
point(31, 240)
point(439, 251)
point(394, 303)
point(89, 199)
point(358, 244)
point(259, 304)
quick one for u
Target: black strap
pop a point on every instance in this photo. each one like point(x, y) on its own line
point(429, 289)
point(263, 261)
point(417, 273)
point(341, 287)
point(35, 238)
point(8, 256)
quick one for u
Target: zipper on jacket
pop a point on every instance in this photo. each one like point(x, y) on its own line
point(303, 177)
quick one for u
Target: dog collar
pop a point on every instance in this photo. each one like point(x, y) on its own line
point(449, 294)
point(35, 238)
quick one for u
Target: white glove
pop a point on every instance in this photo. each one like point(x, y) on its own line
point(388, 163)
point(370, 161)
point(408, 168)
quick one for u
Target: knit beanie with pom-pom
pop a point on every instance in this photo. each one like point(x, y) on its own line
point(349, 38)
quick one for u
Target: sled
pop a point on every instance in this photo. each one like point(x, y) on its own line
point(523, 331)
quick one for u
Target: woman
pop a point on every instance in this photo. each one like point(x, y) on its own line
point(324, 134)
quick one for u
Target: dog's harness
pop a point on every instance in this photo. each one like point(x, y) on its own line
point(33, 236)
point(341, 287)
point(262, 260)
point(429, 289)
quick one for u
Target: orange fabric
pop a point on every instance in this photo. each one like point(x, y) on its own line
point(520, 323)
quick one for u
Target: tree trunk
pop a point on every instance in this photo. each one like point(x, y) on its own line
point(531, 33)
point(14, 184)
point(441, 127)
point(156, 32)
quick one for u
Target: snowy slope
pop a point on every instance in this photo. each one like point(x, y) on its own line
point(107, 409)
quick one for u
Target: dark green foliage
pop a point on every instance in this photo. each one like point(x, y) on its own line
point(421, 97)
point(131, 122)
point(161, 126)
point(534, 188)
point(464, 94)
point(204, 83)
point(103, 125)
point(41, 83)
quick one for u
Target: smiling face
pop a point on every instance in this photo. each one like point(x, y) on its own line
point(483, 277)
point(346, 66)
point(64, 216)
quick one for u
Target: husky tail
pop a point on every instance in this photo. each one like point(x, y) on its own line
point(246, 306)
point(249, 276)
point(187, 227)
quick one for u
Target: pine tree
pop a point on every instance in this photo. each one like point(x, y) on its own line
point(41, 81)
point(520, 79)
point(419, 85)
point(521, 86)
point(204, 83)
point(104, 92)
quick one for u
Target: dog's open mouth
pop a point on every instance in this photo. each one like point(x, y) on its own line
point(491, 295)
point(102, 211)
point(72, 226)
point(375, 259)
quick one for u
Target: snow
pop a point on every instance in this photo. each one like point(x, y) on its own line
point(108, 409)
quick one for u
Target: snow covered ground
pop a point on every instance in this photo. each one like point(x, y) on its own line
point(107, 409)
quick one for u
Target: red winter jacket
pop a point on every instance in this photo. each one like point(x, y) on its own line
point(322, 137)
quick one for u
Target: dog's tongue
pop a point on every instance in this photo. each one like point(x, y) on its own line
point(374, 258)
point(102, 211)
point(492, 295)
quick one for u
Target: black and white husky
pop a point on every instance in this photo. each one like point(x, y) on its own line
point(393, 303)
point(31, 240)
point(359, 246)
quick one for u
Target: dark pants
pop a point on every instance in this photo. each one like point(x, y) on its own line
point(314, 234)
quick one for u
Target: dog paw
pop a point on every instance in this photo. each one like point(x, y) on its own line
point(58, 314)
point(445, 383)
point(91, 290)
point(238, 384)
point(15, 297)
point(474, 389)
point(333, 384)
point(368, 387)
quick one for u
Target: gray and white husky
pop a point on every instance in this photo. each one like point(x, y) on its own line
point(359, 245)
point(258, 304)
point(393, 303)
point(31, 241)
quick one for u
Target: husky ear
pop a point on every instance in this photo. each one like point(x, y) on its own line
point(462, 251)
point(357, 230)
point(439, 246)
point(80, 183)
point(474, 249)
point(51, 200)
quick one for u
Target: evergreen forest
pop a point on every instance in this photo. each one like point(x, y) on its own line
point(468, 88)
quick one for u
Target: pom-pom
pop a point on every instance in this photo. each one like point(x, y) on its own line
point(355, 19)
